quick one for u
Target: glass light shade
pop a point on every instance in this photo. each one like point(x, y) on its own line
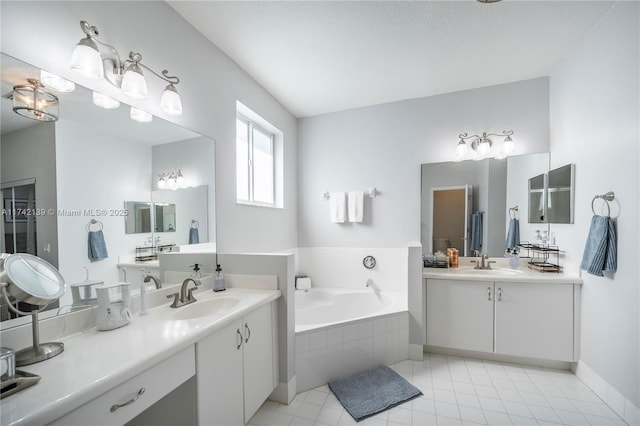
point(33, 102)
point(461, 149)
point(170, 101)
point(140, 116)
point(508, 146)
point(55, 82)
point(162, 183)
point(104, 101)
point(133, 83)
point(180, 179)
point(484, 147)
point(86, 59)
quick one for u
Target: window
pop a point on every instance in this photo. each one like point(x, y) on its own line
point(259, 170)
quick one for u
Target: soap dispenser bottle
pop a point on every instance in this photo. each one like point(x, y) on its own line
point(218, 282)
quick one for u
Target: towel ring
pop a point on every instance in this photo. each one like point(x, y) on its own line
point(94, 222)
point(194, 224)
point(609, 196)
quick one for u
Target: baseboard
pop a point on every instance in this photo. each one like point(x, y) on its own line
point(284, 392)
point(614, 399)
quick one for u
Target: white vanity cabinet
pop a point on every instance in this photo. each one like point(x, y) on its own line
point(535, 320)
point(236, 369)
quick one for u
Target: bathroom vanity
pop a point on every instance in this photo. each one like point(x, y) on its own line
point(521, 312)
point(222, 342)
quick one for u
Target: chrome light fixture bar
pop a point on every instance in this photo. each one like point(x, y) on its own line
point(482, 144)
point(34, 102)
point(127, 75)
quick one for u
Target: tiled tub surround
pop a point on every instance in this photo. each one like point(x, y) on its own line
point(348, 339)
point(338, 351)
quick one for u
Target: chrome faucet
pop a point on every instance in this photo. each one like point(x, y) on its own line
point(483, 262)
point(149, 277)
point(184, 297)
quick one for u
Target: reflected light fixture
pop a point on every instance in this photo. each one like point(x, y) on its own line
point(104, 101)
point(127, 75)
point(171, 180)
point(140, 116)
point(482, 145)
point(33, 101)
point(55, 82)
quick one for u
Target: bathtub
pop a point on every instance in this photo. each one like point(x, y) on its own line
point(324, 306)
point(340, 332)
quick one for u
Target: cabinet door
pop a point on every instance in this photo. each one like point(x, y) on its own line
point(219, 376)
point(535, 320)
point(460, 314)
point(258, 359)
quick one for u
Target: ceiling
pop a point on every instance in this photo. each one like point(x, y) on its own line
point(317, 57)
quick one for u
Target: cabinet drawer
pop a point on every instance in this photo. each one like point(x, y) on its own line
point(157, 381)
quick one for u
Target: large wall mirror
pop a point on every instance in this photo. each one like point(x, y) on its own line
point(487, 190)
point(84, 167)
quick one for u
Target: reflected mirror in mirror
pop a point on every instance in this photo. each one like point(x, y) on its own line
point(84, 166)
point(537, 200)
point(560, 197)
point(497, 185)
point(165, 217)
point(138, 217)
point(184, 213)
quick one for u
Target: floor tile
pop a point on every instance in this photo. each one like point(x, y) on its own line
point(460, 391)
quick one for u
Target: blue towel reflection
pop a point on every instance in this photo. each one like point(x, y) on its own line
point(97, 246)
point(600, 252)
point(513, 234)
point(476, 231)
point(194, 236)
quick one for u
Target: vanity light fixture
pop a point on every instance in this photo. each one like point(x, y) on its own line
point(481, 145)
point(33, 101)
point(126, 75)
point(171, 180)
point(140, 116)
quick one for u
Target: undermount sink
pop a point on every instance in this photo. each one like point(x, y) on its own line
point(200, 308)
point(492, 271)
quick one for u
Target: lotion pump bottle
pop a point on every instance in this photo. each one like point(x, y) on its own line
point(218, 283)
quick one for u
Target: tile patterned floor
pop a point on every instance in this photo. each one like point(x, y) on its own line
point(461, 391)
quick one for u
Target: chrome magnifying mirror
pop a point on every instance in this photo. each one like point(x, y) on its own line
point(30, 279)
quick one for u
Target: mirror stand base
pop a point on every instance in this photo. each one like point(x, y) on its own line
point(32, 355)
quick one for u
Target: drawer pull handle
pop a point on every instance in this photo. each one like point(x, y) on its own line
point(239, 335)
point(248, 332)
point(114, 407)
point(488, 293)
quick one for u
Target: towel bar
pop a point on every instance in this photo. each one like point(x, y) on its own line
point(371, 193)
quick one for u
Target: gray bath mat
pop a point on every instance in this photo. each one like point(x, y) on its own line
point(371, 392)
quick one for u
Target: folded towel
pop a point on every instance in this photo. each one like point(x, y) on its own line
point(303, 283)
point(194, 236)
point(356, 206)
point(513, 234)
point(600, 252)
point(476, 231)
point(97, 246)
point(337, 207)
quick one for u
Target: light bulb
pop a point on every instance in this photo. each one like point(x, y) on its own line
point(170, 101)
point(104, 101)
point(86, 59)
point(140, 116)
point(508, 146)
point(484, 147)
point(133, 83)
point(55, 82)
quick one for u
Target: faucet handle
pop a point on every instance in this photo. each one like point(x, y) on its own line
point(190, 297)
point(176, 299)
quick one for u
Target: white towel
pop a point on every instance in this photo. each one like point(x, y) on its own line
point(303, 283)
point(338, 207)
point(356, 204)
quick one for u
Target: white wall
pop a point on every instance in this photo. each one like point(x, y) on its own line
point(594, 123)
point(383, 146)
point(210, 84)
point(93, 174)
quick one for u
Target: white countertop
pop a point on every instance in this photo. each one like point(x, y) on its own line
point(501, 274)
point(96, 361)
